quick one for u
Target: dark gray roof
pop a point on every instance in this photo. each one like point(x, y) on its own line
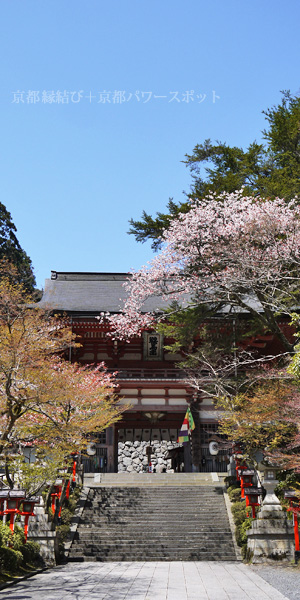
point(90, 293)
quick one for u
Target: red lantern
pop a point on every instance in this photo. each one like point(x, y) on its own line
point(13, 502)
point(246, 480)
point(28, 511)
point(294, 508)
point(74, 457)
point(56, 494)
point(253, 497)
point(240, 467)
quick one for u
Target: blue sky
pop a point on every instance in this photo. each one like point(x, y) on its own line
point(75, 170)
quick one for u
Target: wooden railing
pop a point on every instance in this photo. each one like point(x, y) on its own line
point(140, 373)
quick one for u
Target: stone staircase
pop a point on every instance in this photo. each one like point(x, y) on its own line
point(149, 518)
point(150, 479)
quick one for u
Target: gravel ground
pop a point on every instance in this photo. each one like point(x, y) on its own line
point(285, 579)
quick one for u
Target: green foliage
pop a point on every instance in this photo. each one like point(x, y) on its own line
point(233, 484)
point(242, 523)
point(287, 481)
point(18, 538)
point(241, 535)
point(14, 553)
point(31, 553)
point(66, 516)
point(226, 168)
point(61, 536)
point(71, 502)
point(235, 494)
point(150, 228)
point(10, 559)
point(182, 325)
point(257, 419)
point(11, 251)
point(270, 170)
point(241, 531)
point(67, 513)
point(283, 138)
point(32, 477)
point(6, 536)
point(239, 512)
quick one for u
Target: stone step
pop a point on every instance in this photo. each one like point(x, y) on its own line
point(132, 534)
point(151, 526)
point(143, 503)
point(156, 511)
point(144, 508)
point(161, 523)
point(154, 493)
point(179, 556)
point(151, 547)
point(137, 533)
point(156, 499)
point(146, 553)
point(150, 479)
point(136, 528)
point(98, 527)
point(157, 515)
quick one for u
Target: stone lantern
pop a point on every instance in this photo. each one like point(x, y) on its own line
point(271, 506)
point(271, 536)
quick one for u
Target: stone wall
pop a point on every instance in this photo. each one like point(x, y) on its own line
point(40, 531)
point(132, 456)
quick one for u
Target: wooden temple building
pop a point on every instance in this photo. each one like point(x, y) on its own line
point(147, 375)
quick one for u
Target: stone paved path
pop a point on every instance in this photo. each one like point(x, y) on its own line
point(145, 581)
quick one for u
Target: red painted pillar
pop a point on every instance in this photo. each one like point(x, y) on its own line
point(296, 531)
point(12, 521)
point(26, 527)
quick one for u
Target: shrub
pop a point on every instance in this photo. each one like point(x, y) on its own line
point(235, 495)
point(239, 512)
point(241, 532)
point(18, 538)
point(6, 536)
point(230, 481)
point(234, 486)
point(61, 536)
point(30, 553)
point(10, 560)
point(241, 535)
point(63, 529)
point(66, 516)
point(13, 550)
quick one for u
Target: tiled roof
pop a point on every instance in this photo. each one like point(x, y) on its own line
point(102, 292)
point(89, 293)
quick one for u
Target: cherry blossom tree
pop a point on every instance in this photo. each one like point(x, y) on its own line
point(234, 253)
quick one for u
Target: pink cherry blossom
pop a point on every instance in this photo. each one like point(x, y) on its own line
point(242, 252)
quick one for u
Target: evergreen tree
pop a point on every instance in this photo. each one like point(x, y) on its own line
point(269, 171)
point(11, 251)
